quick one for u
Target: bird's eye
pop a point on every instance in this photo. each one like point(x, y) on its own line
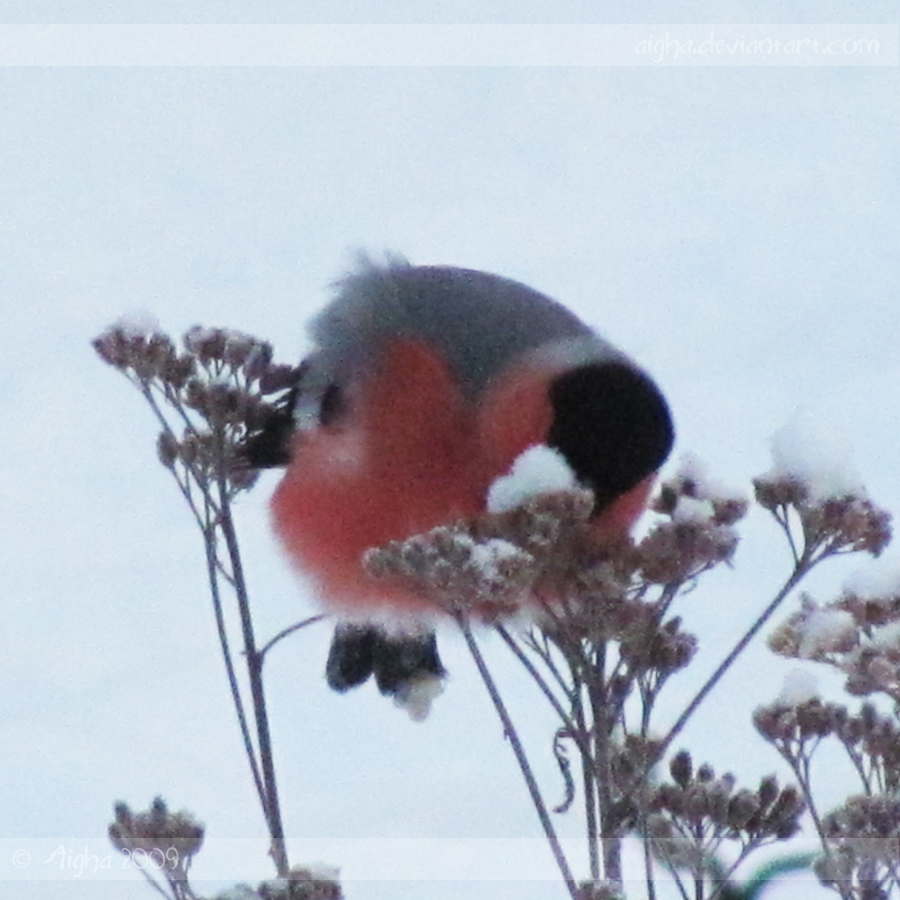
point(332, 405)
point(319, 408)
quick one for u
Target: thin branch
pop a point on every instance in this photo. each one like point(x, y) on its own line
point(599, 701)
point(254, 669)
point(669, 593)
point(511, 733)
point(649, 880)
point(544, 652)
point(588, 773)
point(796, 576)
point(209, 541)
point(782, 514)
point(574, 730)
point(183, 485)
point(289, 630)
point(175, 402)
point(800, 766)
point(155, 884)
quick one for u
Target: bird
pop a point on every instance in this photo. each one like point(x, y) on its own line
point(424, 385)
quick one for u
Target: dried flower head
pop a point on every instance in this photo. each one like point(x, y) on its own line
point(814, 632)
point(316, 882)
point(862, 840)
point(693, 493)
point(694, 814)
point(304, 883)
point(457, 572)
point(210, 398)
point(167, 841)
point(829, 525)
point(859, 636)
point(490, 565)
point(600, 890)
point(678, 551)
point(664, 648)
point(795, 730)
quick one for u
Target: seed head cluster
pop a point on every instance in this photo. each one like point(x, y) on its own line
point(697, 534)
point(862, 837)
point(160, 840)
point(694, 814)
point(859, 636)
point(222, 386)
point(301, 883)
point(829, 525)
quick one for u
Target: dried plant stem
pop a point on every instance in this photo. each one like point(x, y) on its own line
point(575, 730)
point(184, 485)
point(513, 737)
point(272, 807)
point(285, 632)
point(218, 516)
point(801, 768)
point(782, 517)
point(183, 892)
point(208, 401)
point(599, 701)
point(154, 883)
point(800, 571)
point(590, 792)
point(209, 539)
point(649, 880)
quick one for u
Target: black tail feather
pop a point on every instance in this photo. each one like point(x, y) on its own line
point(358, 651)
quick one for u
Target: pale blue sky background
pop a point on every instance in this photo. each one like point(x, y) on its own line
point(735, 229)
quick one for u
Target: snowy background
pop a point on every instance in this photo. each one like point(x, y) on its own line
point(733, 228)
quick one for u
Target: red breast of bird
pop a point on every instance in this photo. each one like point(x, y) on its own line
point(425, 384)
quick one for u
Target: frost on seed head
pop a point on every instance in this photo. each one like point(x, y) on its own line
point(815, 454)
point(139, 323)
point(539, 470)
point(799, 687)
point(693, 495)
point(880, 578)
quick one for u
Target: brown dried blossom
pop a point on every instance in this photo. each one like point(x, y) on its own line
point(600, 890)
point(775, 493)
point(458, 573)
point(544, 556)
point(692, 816)
point(862, 842)
point(790, 728)
point(218, 386)
point(632, 756)
point(161, 840)
point(661, 647)
point(870, 825)
point(491, 564)
point(873, 738)
point(302, 883)
point(676, 552)
point(819, 633)
point(698, 535)
point(870, 739)
point(859, 636)
point(726, 506)
point(829, 525)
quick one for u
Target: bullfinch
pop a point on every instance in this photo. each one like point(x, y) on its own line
point(424, 386)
